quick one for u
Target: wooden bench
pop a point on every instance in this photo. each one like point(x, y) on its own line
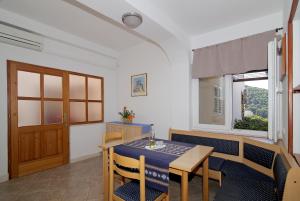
point(238, 158)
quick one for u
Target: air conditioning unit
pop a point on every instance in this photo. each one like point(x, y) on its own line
point(21, 38)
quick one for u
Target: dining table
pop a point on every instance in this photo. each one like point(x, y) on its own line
point(179, 159)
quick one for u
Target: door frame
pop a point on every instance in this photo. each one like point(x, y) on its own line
point(12, 163)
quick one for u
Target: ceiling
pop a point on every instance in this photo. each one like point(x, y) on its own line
point(71, 19)
point(196, 17)
point(102, 25)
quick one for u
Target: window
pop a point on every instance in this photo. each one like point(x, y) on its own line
point(250, 101)
point(232, 104)
point(86, 98)
point(211, 101)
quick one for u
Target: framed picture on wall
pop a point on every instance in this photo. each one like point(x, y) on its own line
point(139, 85)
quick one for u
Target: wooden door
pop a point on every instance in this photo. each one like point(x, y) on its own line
point(38, 123)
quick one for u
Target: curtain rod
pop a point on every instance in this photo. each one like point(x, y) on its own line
point(276, 30)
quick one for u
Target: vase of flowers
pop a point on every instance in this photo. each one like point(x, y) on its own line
point(127, 116)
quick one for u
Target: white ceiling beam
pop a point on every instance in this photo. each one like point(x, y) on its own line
point(156, 26)
point(159, 17)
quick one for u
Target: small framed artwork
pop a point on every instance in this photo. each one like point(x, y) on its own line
point(139, 85)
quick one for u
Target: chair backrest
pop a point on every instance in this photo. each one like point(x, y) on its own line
point(108, 137)
point(127, 167)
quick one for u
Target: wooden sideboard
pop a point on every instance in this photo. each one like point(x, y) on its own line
point(130, 130)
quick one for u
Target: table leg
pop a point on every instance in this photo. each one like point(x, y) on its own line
point(185, 186)
point(205, 189)
point(105, 175)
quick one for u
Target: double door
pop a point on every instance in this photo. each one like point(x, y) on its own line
point(38, 118)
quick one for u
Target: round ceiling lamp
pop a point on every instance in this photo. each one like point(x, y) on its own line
point(132, 20)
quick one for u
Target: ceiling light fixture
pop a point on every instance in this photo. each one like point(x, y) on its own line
point(132, 20)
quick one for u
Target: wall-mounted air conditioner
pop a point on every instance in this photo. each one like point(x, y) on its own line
point(21, 38)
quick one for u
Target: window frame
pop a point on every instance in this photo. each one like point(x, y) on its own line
point(227, 128)
point(86, 100)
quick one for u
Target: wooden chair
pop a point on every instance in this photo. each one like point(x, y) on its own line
point(112, 136)
point(134, 190)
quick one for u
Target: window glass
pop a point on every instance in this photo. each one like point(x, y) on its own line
point(52, 86)
point(95, 111)
point(211, 101)
point(94, 88)
point(86, 103)
point(77, 112)
point(250, 101)
point(29, 113)
point(28, 84)
point(53, 112)
point(77, 87)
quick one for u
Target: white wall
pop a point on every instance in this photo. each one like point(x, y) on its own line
point(167, 103)
point(287, 5)
point(155, 107)
point(84, 139)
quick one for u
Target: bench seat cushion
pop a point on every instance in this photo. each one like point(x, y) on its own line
point(234, 170)
point(246, 190)
point(215, 163)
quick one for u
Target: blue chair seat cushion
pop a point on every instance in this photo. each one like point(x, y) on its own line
point(215, 163)
point(235, 170)
point(246, 190)
point(131, 192)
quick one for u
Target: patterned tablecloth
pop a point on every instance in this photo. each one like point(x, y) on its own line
point(157, 161)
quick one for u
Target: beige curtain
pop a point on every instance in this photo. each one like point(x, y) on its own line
point(237, 56)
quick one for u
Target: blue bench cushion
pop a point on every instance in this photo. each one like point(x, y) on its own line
point(280, 173)
point(222, 146)
point(259, 155)
point(215, 163)
point(246, 190)
point(131, 192)
point(234, 170)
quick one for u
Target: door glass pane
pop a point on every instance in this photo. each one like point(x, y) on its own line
point(212, 101)
point(94, 111)
point(77, 112)
point(28, 84)
point(77, 87)
point(53, 112)
point(52, 86)
point(94, 89)
point(29, 112)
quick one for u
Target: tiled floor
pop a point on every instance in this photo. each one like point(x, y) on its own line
point(79, 181)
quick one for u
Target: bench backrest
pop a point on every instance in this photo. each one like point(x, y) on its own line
point(280, 173)
point(259, 155)
point(220, 145)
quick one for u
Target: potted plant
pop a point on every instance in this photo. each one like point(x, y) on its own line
point(127, 116)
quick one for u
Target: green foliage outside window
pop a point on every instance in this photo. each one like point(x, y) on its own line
point(254, 100)
point(254, 122)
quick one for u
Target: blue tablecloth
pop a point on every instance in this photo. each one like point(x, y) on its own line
point(157, 161)
point(146, 128)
